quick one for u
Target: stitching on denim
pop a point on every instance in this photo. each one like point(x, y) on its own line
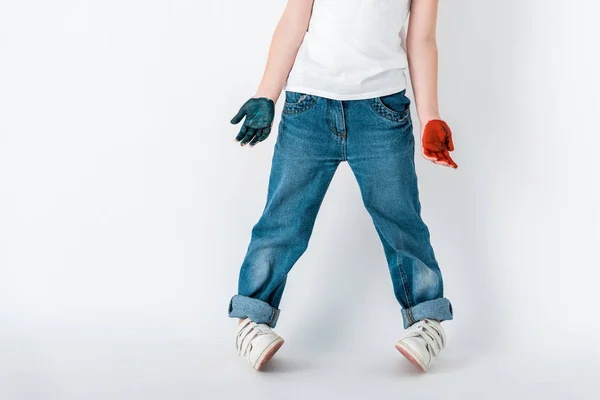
point(393, 112)
point(330, 118)
point(410, 316)
point(395, 115)
point(305, 105)
point(405, 285)
point(333, 126)
point(273, 314)
point(383, 111)
point(344, 133)
point(297, 103)
point(230, 306)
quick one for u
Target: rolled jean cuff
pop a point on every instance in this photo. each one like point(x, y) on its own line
point(440, 309)
point(257, 310)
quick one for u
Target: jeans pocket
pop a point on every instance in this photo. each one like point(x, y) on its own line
point(394, 107)
point(296, 103)
point(294, 98)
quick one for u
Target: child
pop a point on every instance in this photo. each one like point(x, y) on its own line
point(343, 65)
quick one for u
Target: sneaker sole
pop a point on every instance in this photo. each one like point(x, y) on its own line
point(408, 354)
point(268, 353)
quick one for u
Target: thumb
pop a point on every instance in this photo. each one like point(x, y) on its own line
point(450, 144)
point(239, 116)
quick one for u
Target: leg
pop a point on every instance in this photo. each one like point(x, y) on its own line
point(381, 155)
point(302, 168)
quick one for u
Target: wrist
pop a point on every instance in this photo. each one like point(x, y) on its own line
point(258, 97)
point(267, 94)
point(425, 120)
point(429, 117)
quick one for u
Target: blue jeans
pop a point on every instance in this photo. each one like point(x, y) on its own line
point(375, 137)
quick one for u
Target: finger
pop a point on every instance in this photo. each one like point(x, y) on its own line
point(427, 154)
point(239, 116)
point(255, 138)
point(451, 161)
point(265, 134)
point(445, 156)
point(242, 133)
point(441, 158)
point(442, 163)
point(249, 135)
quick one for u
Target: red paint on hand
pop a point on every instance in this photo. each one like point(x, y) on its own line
point(437, 143)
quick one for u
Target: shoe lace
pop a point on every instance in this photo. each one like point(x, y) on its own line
point(432, 335)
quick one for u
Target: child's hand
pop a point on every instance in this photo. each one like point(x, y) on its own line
point(259, 113)
point(436, 138)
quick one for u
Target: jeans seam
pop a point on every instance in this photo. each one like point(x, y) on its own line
point(273, 314)
point(409, 316)
point(405, 286)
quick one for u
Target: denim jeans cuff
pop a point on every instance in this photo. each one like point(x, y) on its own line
point(440, 309)
point(257, 310)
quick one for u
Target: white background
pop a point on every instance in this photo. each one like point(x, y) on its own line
point(126, 209)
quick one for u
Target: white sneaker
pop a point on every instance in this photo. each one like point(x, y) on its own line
point(422, 342)
point(257, 342)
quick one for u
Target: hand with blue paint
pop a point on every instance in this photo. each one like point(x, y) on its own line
point(259, 113)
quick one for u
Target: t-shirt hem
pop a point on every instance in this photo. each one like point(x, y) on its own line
point(343, 97)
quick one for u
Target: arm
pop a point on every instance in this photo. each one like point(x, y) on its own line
point(259, 111)
point(421, 46)
point(287, 39)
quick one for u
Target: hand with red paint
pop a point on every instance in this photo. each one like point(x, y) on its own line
point(436, 138)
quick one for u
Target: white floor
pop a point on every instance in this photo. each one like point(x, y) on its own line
point(189, 370)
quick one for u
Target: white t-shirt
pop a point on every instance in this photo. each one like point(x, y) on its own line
point(353, 49)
